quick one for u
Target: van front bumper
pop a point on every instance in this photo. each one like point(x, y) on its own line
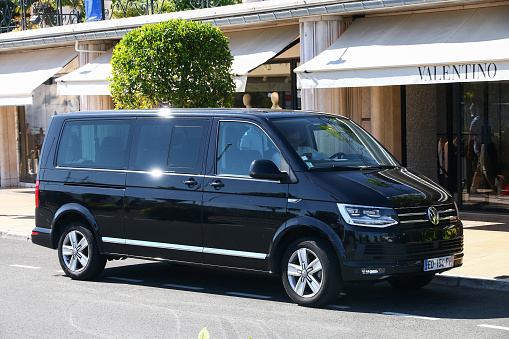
point(370, 260)
point(372, 271)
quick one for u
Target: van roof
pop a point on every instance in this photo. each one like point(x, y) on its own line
point(205, 112)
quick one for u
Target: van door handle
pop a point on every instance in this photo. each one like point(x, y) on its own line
point(191, 182)
point(217, 184)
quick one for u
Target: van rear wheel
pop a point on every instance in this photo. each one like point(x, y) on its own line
point(79, 254)
point(311, 274)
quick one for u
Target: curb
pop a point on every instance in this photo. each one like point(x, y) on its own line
point(15, 235)
point(471, 282)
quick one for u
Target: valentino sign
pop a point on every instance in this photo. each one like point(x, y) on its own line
point(464, 72)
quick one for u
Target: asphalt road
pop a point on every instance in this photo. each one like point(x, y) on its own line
point(144, 299)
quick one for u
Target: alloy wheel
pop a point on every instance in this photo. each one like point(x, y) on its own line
point(305, 273)
point(75, 251)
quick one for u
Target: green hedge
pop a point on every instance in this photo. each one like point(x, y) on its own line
point(183, 63)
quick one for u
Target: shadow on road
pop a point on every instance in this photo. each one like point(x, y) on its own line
point(431, 301)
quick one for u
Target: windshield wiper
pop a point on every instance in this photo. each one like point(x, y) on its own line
point(378, 167)
point(335, 168)
point(350, 168)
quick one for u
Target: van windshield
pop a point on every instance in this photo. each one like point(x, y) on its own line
point(325, 142)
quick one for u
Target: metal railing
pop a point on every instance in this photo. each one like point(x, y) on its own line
point(33, 14)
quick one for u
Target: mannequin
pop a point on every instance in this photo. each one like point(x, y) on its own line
point(274, 97)
point(246, 99)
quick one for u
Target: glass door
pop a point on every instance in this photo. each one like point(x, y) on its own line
point(484, 121)
point(30, 142)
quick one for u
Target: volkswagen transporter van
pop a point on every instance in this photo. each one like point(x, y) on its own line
point(311, 197)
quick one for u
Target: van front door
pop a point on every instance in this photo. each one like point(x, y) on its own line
point(241, 214)
point(164, 189)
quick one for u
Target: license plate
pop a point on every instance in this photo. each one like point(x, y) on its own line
point(438, 263)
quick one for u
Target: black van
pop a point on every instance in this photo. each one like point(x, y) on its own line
point(311, 197)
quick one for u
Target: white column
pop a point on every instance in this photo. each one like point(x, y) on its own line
point(8, 154)
point(316, 34)
point(87, 54)
point(377, 113)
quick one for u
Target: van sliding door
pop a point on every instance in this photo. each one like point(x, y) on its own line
point(164, 189)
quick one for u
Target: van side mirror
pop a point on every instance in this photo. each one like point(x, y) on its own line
point(266, 169)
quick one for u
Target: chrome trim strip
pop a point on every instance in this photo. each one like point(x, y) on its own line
point(238, 177)
point(415, 221)
point(89, 169)
point(152, 244)
point(412, 221)
point(207, 250)
point(113, 240)
point(294, 201)
point(233, 253)
point(411, 214)
point(448, 217)
point(447, 211)
point(163, 245)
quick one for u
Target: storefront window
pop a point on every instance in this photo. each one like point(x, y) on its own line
point(485, 143)
point(270, 81)
point(33, 121)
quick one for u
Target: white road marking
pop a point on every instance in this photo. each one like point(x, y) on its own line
point(340, 307)
point(126, 279)
point(25, 266)
point(249, 295)
point(184, 287)
point(410, 316)
point(495, 327)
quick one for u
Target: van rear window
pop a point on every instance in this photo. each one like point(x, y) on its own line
point(95, 144)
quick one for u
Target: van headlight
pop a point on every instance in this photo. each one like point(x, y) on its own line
point(369, 216)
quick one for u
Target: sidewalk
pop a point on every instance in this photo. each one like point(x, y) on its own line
point(486, 247)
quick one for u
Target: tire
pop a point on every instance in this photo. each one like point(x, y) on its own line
point(410, 282)
point(79, 254)
point(320, 282)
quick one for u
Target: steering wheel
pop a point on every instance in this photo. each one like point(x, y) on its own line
point(339, 155)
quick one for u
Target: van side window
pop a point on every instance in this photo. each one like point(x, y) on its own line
point(167, 145)
point(152, 138)
point(185, 146)
point(95, 144)
point(239, 144)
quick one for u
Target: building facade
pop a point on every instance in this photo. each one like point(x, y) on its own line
point(429, 79)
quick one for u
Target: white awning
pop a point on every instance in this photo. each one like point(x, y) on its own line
point(91, 79)
point(441, 47)
point(22, 73)
point(252, 48)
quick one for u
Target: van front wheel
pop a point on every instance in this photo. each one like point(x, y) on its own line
point(311, 275)
point(79, 254)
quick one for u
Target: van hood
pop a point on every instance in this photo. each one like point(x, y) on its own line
point(395, 187)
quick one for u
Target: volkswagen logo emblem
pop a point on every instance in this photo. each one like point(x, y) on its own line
point(433, 215)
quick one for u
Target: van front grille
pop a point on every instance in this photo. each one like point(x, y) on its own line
point(417, 215)
point(409, 252)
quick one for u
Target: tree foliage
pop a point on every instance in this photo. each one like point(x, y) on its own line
point(183, 63)
point(130, 8)
point(8, 13)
